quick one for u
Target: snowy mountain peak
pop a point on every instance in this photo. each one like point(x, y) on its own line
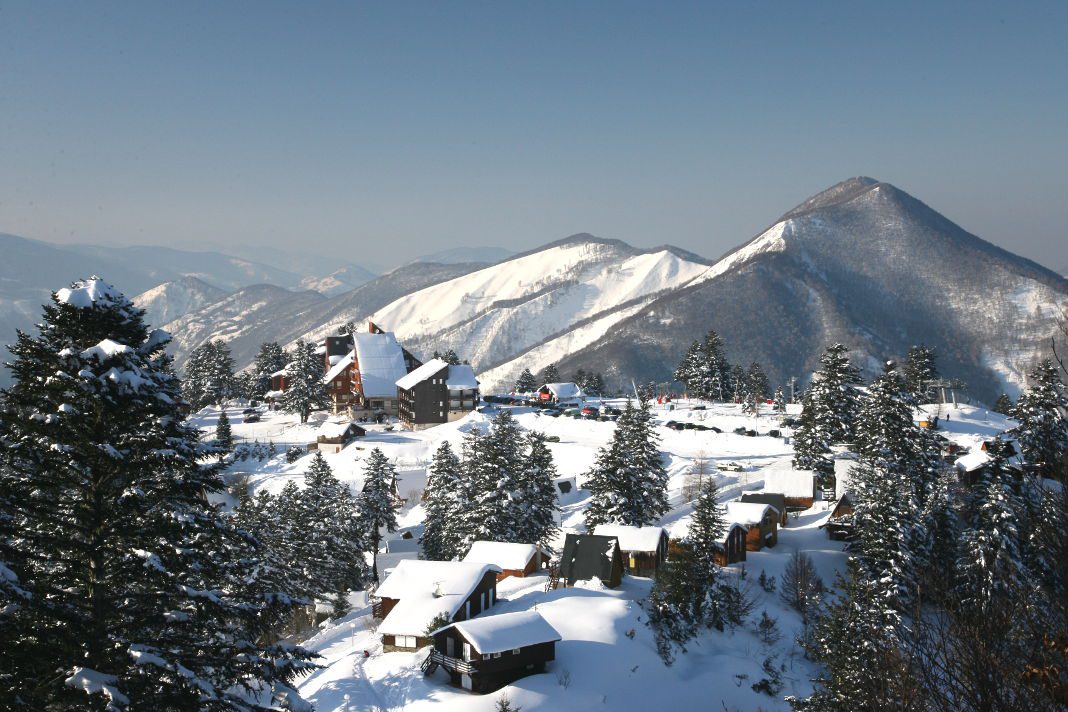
point(174, 299)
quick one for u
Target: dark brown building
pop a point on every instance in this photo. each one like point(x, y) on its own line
point(773, 499)
point(731, 549)
point(588, 556)
point(436, 393)
point(486, 653)
point(760, 520)
point(840, 524)
point(644, 549)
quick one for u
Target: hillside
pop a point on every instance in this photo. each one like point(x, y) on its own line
point(175, 299)
point(863, 263)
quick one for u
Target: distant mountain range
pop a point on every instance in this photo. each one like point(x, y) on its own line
point(862, 263)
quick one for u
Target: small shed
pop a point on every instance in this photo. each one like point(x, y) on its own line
point(561, 394)
point(772, 499)
point(760, 520)
point(731, 548)
point(333, 437)
point(519, 560)
point(797, 486)
point(484, 654)
point(644, 549)
point(839, 525)
point(588, 556)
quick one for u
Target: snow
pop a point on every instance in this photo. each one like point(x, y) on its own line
point(87, 293)
point(632, 538)
point(381, 364)
point(427, 370)
point(564, 391)
point(506, 555)
point(339, 367)
point(747, 513)
point(332, 430)
point(105, 350)
point(771, 240)
point(506, 631)
point(461, 378)
point(790, 482)
point(425, 590)
point(93, 682)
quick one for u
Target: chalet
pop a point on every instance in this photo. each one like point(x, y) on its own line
point(560, 394)
point(589, 556)
point(519, 560)
point(797, 486)
point(333, 437)
point(760, 520)
point(416, 593)
point(644, 549)
point(338, 365)
point(972, 466)
point(436, 393)
point(731, 548)
point(839, 525)
point(362, 370)
point(777, 500)
point(484, 654)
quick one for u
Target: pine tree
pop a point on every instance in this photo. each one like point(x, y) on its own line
point(1004, 405)
point(1043, 414)
point(689, 370)
point(448, 356)
point(920, 372)
point(224, 438)
point(493, 472)
point(270, 360)
point(535, 496)
point(376, 504)
point(526, 382)
point(707, 527)
point(550, 374)
point(305, 391)
point(830, 408)
point(737, 388)
point(628, 482)
point(444, 503)
point(135, 579)
point(677, 604)
point(780, 401)
point(757, 381)
point(209, 375)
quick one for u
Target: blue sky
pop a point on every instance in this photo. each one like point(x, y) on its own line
point(391, 130)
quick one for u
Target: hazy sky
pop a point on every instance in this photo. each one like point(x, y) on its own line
point(392, 130)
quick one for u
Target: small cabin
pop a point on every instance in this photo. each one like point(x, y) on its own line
point(589, 556)
point(560, 394)
point(333, 437)
point(484, 654)
point(839, 525)
point(644, 549)
point(797, 486)
point(519, 560)
point(772, 499)
point(418, 592)
point(731, 548)
point(760, 520)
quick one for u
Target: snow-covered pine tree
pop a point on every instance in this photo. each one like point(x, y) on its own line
point(757, 381)
point(738, 385)
point(535, 496)
point(526, 383)
point(677, 603)
point(1042, 410)
point(137, 582)
point(376, 504)
point(1003, 405)
point(920, 372)
point(209, 375)
point(493, 470)
point(551, 374)
point(830, 408)
point(940, 530)
point(445, 504)
point(305, 391)
point(714, 379)
point(628, 482)
point(270, 359)
point(224, 437)
point(780, 401)
point(707, 528)
point(689, 370)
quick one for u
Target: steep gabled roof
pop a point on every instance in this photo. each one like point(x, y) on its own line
point(504, 554)
point(428, 370)
point(425, 590)
point(633, 538)
point(381, 364)
point(586, 556)
point(505, 631)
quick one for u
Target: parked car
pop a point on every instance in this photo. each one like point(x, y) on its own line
point(732, 467)
point(699, 407)
point(252, 418)
point(773, 433)
point(590, 412)
point(714, 429)
point(246, 411)
point(739, 431)
point(612, 411)
point(689, 426)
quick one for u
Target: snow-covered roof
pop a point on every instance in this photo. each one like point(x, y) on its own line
point(972, 461)
point(842, 478)
point(632, 538)
point(427, 370)
point(563, 391)
point(338, 368)
point(727, 531)
point(792, 483)
point(746, 513)
point(85, 293)
point(425, 590)
point(461, 378)
point(504, 554)
point(381, 363)
point(506, 631)
point(333, 430)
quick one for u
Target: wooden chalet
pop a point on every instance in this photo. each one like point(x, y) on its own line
point(333, 437)
point(484, 654)
point(560, 394)
point(839, 525)
point(519, 560)
point(589, 556)
point(339, 367)
point(436, 393)
point(761, 522)
point(416, 593)
point(772, 499)
point(644, 549)
point(731, 548)
point(797, 486)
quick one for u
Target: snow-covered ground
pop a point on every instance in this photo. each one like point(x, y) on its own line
point(607, 657)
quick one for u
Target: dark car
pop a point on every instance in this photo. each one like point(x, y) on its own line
point(674, 425)
point(252, 418)
point(590, 412)
point(246, 411)
point(699, 407)
point(612, 411)
point(714, 429)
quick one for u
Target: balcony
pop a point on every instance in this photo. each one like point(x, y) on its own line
point(453, 664)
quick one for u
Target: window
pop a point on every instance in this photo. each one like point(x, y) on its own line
point(515, 651)
point(496, 655)
point(405, 641)
point(486, 656)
